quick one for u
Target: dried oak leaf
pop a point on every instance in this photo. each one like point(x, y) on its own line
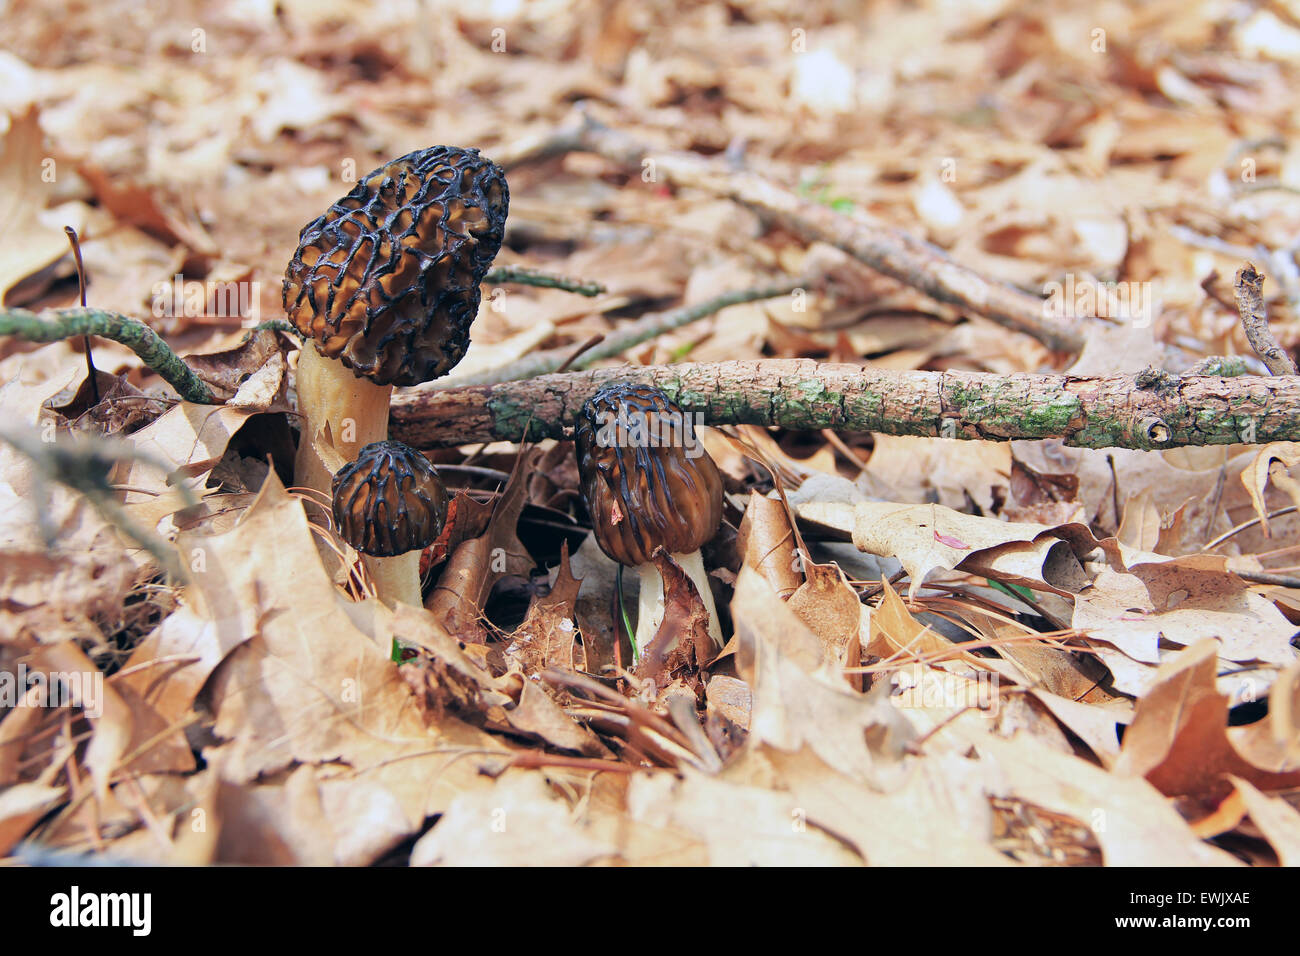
point(1179, 739)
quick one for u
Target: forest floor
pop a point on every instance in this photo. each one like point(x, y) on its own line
point(939, 649)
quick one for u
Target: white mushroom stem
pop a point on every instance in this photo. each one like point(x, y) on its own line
point(354, 410)
point(650, 602)
point(397, 579)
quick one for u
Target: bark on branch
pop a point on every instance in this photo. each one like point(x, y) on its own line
point(1150, 410)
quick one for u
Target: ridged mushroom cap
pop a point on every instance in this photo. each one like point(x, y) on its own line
point(647, 480)
point(389, 501)
point(387, 280)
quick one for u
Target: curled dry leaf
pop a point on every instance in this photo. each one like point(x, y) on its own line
point(1270, 464)
point(27, 245)
point(259, 355)
point(796, 703)
point(478, 563)
point(895, 633)
point(767, 543)
point(929, 537)
point(1179, 738)
point(1278, 820)
point(682, 642)
point(1158, 605)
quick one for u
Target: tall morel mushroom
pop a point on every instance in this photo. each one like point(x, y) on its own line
point(384, 286)
point(648, 483)
point(390, 505)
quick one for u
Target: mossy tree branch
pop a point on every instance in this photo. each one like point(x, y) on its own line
point(1150, 410)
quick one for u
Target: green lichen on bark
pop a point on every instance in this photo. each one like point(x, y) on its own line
point(1054, 417)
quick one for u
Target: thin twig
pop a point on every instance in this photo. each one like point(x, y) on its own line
point(1247, 524)
point(617, 342)
point(57, 324)
point(1248, 288)
point(885, 248)
point(522, 275)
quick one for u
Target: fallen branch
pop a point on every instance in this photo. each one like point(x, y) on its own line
point(54, 325)
point(885, 248)
point(1150, 410)
point(618, 342)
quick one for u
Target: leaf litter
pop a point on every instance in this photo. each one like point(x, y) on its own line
point(943, 653)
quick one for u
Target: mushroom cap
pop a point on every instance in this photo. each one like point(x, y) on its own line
point(647, 480)
point(389, 501)
point(387, 280)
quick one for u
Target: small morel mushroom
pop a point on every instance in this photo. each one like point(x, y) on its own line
point(390, 505)
point(648, 483)
point(384, 286)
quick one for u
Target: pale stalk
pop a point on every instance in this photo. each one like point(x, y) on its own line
point(397, 579)
point(650, 600)
point(355, 410)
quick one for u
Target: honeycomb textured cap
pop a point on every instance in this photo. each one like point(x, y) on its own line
point(387, 280)
point(646, 479)
point(389, 501)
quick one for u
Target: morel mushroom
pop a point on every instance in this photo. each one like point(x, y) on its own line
point(390, 505)
point(384, 286)
point(649, 483)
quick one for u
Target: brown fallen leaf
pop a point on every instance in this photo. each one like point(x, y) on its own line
point(830, 609)
point(519, 821)
point(26, 244)
point(682, 642)
point(767, 543)
point(929, 537)
point(938, 816)
point(1155, 603)
point(478, 563)
point(795, 704)
point(1277, 819)
point(1132, 822)
point(895, 632)
point(1260, 472)
point(1179, 736)
point(306, 684)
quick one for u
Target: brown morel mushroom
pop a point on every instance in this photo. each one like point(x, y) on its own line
point(390, 505)
point(648, 483)
point(384, 286)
